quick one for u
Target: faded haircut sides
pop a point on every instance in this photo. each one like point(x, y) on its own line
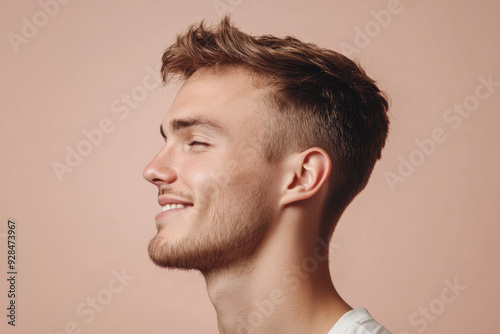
point(319, 98)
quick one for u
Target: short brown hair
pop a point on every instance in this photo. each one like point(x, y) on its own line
point(320, 97)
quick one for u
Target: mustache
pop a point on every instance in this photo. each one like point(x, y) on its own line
point(169, 191)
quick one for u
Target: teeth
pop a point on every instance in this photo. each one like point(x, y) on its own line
point(172, 206)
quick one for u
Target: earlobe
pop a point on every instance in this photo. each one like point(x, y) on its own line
point(307, 173)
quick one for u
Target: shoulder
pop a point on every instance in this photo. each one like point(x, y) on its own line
point(358, 321)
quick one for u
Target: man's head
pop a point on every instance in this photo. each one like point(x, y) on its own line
point(275, 97)
point(211, 164)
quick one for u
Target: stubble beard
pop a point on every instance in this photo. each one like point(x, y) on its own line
point(226, 238)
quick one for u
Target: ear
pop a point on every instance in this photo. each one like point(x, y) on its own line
point(305, 174)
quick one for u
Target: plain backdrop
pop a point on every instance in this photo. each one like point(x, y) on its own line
point(427, 220)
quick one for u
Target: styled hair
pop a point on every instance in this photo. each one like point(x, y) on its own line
point(319, 98)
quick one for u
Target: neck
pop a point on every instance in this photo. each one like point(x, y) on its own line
point(286, 287)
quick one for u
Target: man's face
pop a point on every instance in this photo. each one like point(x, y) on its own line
point(217, 191)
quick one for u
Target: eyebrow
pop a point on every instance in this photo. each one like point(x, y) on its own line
point(178, 124)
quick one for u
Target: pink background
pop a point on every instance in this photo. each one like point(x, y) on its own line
point(395, 248)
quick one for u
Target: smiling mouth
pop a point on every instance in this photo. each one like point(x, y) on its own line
point(172, 206)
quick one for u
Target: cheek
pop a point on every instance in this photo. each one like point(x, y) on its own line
point(227, 175)
point(210, 171)
point(205, 180)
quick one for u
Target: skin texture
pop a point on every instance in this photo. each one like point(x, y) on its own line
point(250, 226)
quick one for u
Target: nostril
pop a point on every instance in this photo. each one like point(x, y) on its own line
point(157, 174)
point(160, 169)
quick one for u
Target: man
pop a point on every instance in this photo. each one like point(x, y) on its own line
point(266, 143)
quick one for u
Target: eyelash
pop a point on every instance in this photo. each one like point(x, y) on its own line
point(197, 143)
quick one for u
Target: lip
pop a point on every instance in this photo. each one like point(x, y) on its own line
point(164, 200)
point(168, 212)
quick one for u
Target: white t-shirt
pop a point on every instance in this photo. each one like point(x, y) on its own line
point(358, 321)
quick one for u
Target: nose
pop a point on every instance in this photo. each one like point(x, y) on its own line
point(159, 170)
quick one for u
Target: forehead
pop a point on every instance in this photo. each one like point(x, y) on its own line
point(228, 97)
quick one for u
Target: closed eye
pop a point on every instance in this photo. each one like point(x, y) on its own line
point(197, 143)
